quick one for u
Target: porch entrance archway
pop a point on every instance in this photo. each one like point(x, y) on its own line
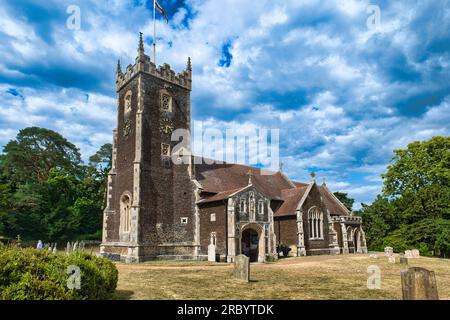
point(250, 244)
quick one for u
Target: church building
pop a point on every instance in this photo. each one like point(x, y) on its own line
point(161, 210)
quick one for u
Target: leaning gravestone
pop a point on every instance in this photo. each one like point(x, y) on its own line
point(212, 253)
point(242, 267)
point(419, 284)
point(403, 259)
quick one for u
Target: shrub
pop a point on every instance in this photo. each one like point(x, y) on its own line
point(428, 236)
point(30, 274)
point(283, 248)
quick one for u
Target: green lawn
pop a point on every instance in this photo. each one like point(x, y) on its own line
point(324, 277)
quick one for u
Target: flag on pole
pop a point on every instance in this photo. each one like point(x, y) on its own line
point(161, 10)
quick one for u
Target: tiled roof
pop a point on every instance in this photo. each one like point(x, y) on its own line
point(291, 199)
point(220, 196)
point(225, 179)
point(335, 207)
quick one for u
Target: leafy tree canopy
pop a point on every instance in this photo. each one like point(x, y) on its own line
point(343, 197)
point(34, 152)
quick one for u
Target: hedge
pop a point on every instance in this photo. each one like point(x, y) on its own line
point(31, 274)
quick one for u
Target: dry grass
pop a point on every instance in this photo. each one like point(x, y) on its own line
point(324, 277)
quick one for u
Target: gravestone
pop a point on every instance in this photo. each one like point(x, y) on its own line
point(242, 268)
point(68, 248)
point(388, 251)
point(419, 284)
point(408, 254)
point(415, 253)
point(212, 253)
point(374, 256)
point(391, 259)
point(403, 259)
point(54, 248)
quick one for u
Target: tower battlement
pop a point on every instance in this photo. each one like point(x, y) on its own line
point(144, 64)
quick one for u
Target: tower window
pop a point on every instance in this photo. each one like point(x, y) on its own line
point(165, 149)
point(125, 214)
point(127, 104)
point(213, 217)
point(166, 102)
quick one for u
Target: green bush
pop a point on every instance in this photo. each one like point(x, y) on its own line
point(30, 274)
point(428, 236)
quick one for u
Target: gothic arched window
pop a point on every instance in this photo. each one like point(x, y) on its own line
point(315, 221)
point(243, 205)
point(125, 214)
point(261, 207)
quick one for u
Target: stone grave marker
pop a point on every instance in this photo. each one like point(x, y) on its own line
point(391, 259)
point(415, 253)
point(388, 251)
point(419, 284)
point(212, 253)
point(403, 259)
point(242, 268)
point(408, 254)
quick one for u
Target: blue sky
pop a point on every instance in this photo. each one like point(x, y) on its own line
point(343, 95)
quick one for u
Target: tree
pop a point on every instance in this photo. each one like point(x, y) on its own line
point(102, 158)
point(35, 152)
point(45, 191)
point(346, 201)
point(420, 179)
point(414, 209)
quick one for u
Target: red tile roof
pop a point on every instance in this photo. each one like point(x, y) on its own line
point(226, 179)
point(291, 199)
point(335, 207)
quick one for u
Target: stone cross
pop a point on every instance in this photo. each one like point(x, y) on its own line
point(419, 284)
point(212, 253)
point(242, 268)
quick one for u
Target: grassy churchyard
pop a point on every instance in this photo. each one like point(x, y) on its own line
point(321, 277)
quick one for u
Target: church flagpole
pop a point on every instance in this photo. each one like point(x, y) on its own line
point(154, 32)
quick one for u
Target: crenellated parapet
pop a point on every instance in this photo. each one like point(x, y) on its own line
point(346, 219)
point(144, 64)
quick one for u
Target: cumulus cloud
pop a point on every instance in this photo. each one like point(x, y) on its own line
point(342, 95)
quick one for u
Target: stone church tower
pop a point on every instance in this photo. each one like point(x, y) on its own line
point(150, 211)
